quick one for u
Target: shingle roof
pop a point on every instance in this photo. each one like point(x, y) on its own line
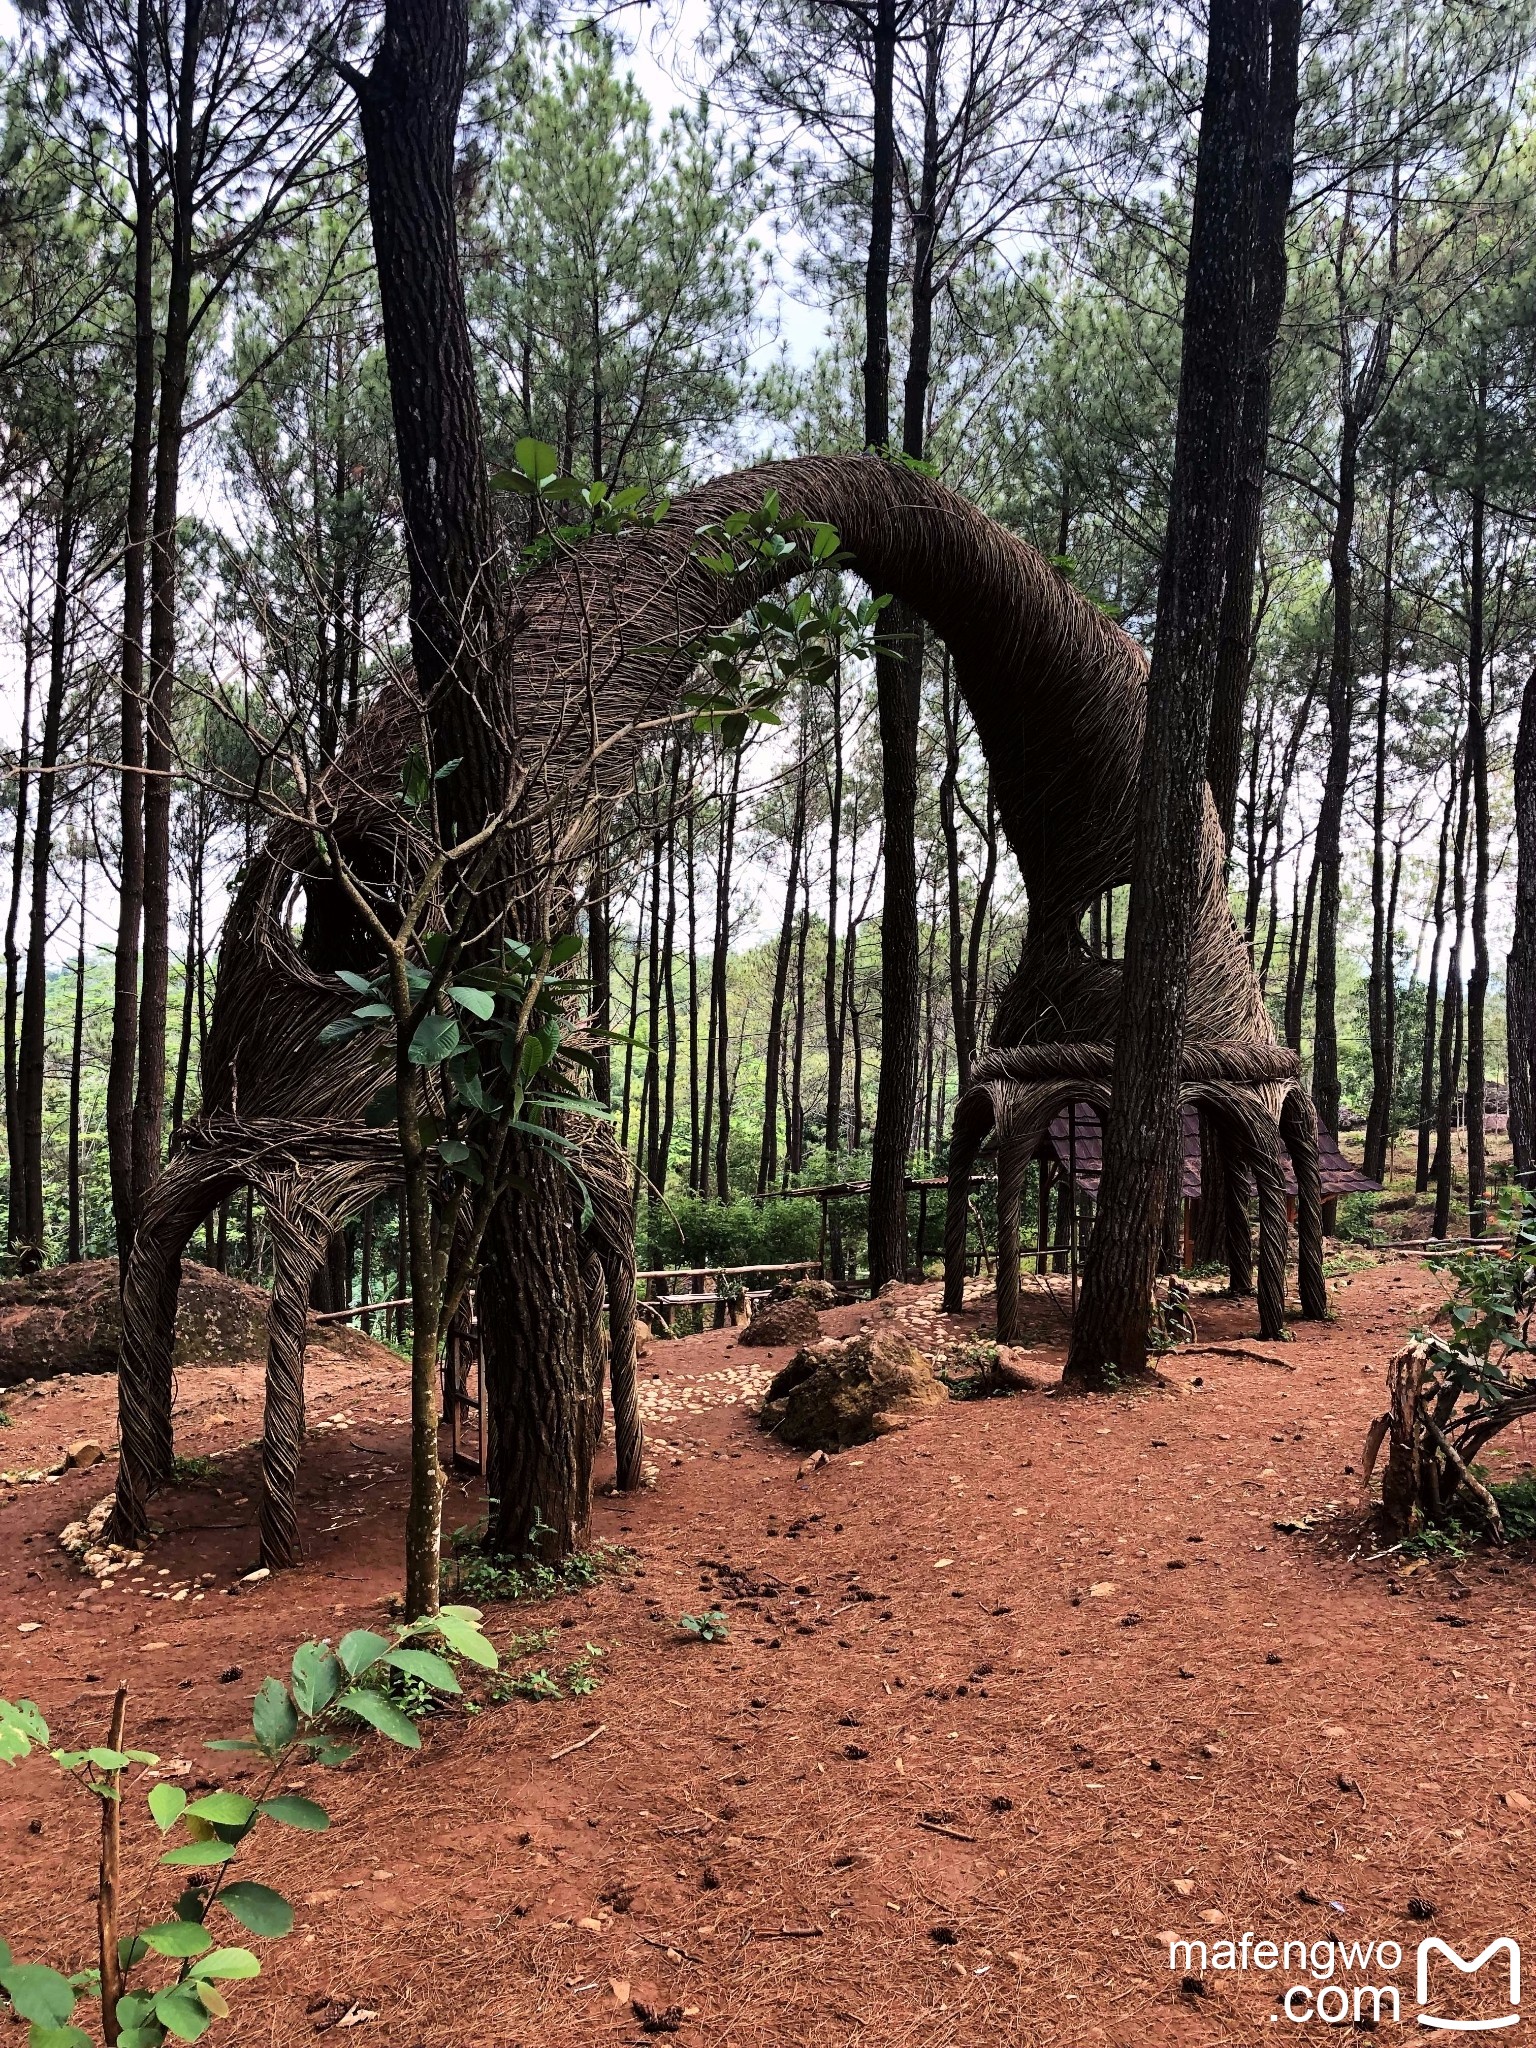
point(1077, 1137)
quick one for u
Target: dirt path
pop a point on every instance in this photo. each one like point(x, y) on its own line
point(1006, 1698)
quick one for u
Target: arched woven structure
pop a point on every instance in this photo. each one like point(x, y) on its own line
point(601, 647)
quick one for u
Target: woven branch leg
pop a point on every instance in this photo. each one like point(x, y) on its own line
point(956, 1237)
point(181, 1198)
point(144, 1381)
point(975, 1115)
point(1239, 1236)
point(1274, 1236)
point(628, 1430)
point(1298, 1123)
point(1012, 1164)
point(298, 1258)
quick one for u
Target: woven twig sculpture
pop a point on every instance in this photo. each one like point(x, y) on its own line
point(602, 648)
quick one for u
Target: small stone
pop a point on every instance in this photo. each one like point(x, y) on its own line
point(86, 1452)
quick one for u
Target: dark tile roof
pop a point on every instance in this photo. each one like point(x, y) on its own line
point(1077, 1137)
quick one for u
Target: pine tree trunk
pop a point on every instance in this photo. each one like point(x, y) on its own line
point(1432, 991)
point(1521, 982)
point(690, 898)
point(1452, 1015)
point(897, 679)
point(794, 1162)
point(720, 966)
point(831, 1023)
point(974, 1005)
point(1296, 966)
point(669, 990)
point(1330, 820)
point(123, 1059)
point(538, 1372)
point(954, 927)
point(189, 979)
point(1234, 659)
point(1477, 764)
point(1379, 1117)
point(15, 1199)
point(159, 739)
point(1142, 1131)
point(75, 1250)
point(773, 1053)
point(32, 1043)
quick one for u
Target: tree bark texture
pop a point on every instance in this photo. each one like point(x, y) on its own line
point(1521, 970)
point(1234, 658)
point(1142, 1133)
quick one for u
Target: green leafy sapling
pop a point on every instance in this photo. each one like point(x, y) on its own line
point(710, 1627)
point(329, 1693)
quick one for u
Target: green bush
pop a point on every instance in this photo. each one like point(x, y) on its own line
point(1357, 1219)
point(736, 1233)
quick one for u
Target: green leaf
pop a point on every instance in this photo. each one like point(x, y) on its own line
point(178, 1938)
point(141, 2037)
point(38, 1993)
point(58, 2037)
point(134, 2008)
point(463, 1637)
point(295, 1812)
point(536, 459)
point(435, 1039)
point(359, 984)
point(235, 1743)
point(166, 1805)
point(273, 1717)
point(382, 1714)
point(360, 1648)
point(339, 1032)
point(22, 1728)
point(258, 1909)
point(427, 1666)
point(202, 1853)
point(224, 1809)
point(182, 2013)
point(131, 1951)
point(317, 1678)
point(478, 1001)
point(227, 1965)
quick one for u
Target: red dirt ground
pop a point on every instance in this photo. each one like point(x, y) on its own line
point(1068, 1633)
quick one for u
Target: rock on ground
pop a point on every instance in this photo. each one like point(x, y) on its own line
point(783, 1322)
point(819, 1293)
point(846, 1391)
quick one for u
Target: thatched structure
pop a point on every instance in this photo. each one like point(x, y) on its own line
point(602, 646)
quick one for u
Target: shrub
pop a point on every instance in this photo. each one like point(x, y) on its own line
point(329, 1694)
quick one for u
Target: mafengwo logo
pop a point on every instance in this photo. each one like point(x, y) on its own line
point(1433, 1947)
point(1345, 1983)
